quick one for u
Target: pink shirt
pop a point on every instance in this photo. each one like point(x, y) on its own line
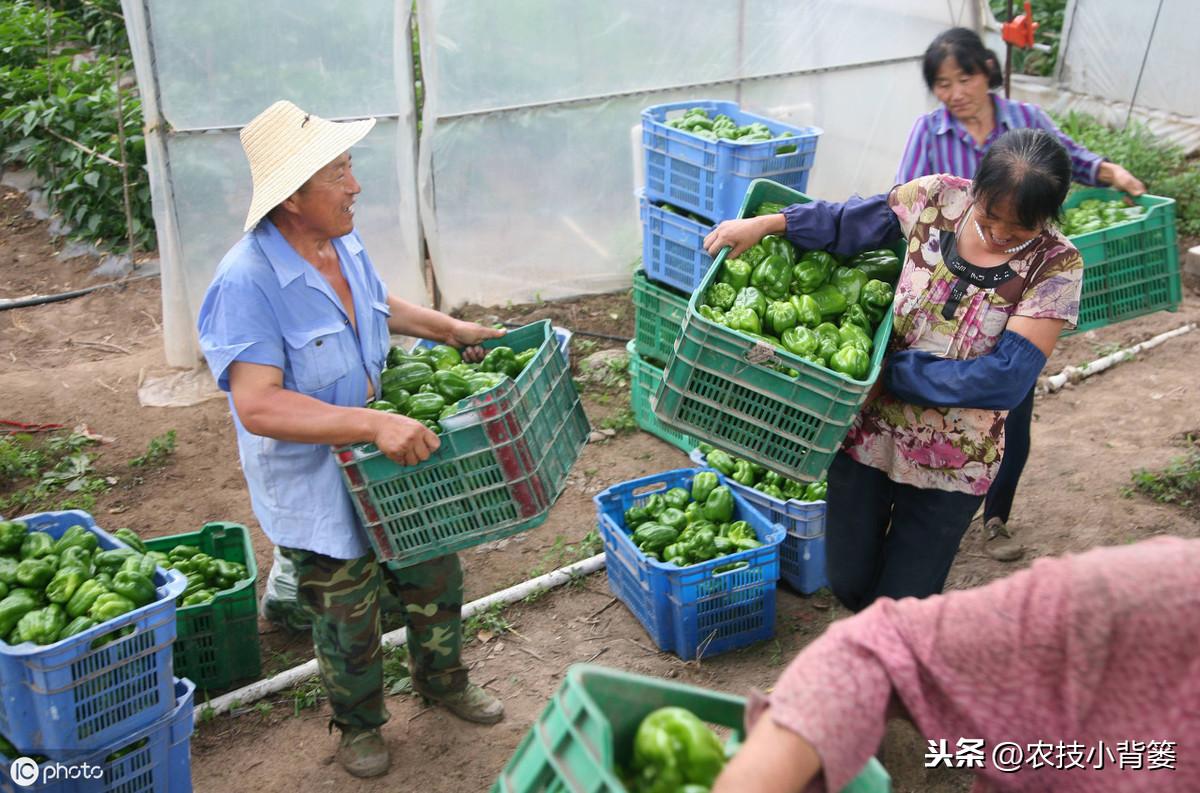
point(1097, 651)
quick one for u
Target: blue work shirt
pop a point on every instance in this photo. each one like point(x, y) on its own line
point(268, 305)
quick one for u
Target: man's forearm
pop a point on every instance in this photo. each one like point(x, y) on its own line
point(410, 319)
point(290, 416)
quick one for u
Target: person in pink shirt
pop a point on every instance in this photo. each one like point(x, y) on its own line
point(1081, 673)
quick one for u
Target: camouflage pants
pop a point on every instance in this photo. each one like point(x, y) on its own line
point(343, 597)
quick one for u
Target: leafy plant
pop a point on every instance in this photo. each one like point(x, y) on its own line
point(58, 472)
point(157, 451)
point(1178, 483)
point(491, 619)
point(621, 421)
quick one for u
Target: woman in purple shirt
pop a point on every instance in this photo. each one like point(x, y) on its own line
point(961, 73)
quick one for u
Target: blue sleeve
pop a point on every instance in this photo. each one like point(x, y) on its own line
point(857, 225)
point(236, 323)
point(998, 380)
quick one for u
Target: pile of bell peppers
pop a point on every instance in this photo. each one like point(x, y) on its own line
point(674, 210)
point(428, 383)
point(206, 576)
point(696, 121)
point(807, 304)
point(686, 526)
point(754, 476)
point(674, 752)
point(1094, 214)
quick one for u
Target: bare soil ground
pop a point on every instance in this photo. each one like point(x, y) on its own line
point(79, 362)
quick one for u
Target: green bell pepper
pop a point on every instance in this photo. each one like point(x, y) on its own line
point(672, 518)
point(397, 397)
point(409, 376)
point(111, 561)
point(8, 571)
point(77, 537)
point(85, 597)
point(743, 319)
point(703, 483)
point(484, 381)
point(880, 265)
point(829, 300)
point(808, 311)
point(849, 282)
point(64, 585)
point(109, 606)
point(851, 334)
point(36, 545)
point(752, 299)
point(134, 586)
point(183, 552)
point(35, 573)
point(397, 356)
point(857, 316)
point(740, 529)
point(718, 507)
point(721, 461)
point(876, 300)
point(852, 361)
point(816, 491)
point(677, 497)
point(811, 271)
point(829, 332)
point(801, 342)
point(747, 544)
point(736, 273)
point(714, 314)
point(383, 405)
point(772, 276)
point(143, 565)
point(195, 582)
point(635, 516)
point(743, 474)
point(721, 296)
point(779, 246)
point(501, 359)
point(793, 489)
point(780, 317)
point(450, 386)
point(12, 535)
point(694, 511)
point(424, 407)
point(130, 538)
point(198, 598)
point(75, 626)
point(524, 358)
point(700, 547)
point(654, 505)
point(42, 626)
point(444, 356)
point(14, 606)
point(774, 491)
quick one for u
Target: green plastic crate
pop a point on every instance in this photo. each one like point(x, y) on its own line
point(1129, 269)
point(716, 389)
point(658, 313)
point(585, 735)
point(644, 379)
point(501, 465)
point(217, 642)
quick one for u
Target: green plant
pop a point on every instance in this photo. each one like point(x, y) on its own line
point(621, 421)
point(307, 695)
point(157, 451)
point(59, 473)
point(491, 619)
point(397, 679)
point(1178, 483)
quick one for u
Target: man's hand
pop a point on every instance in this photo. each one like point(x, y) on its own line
point(404, 440)
point(468, 335)
point(742, 234)
point(1121, 179)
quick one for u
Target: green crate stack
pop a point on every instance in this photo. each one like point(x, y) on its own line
point(584, 737)
point(217, 642)
point(644, 380)
point(658, 313)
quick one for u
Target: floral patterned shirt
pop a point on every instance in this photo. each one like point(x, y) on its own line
point(955, 449)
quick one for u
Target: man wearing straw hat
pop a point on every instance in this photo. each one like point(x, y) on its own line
point(295, 326)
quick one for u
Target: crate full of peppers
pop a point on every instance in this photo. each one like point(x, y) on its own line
point(780, 348)
point(510, 428)
point(693, 561)
point(628, 733)
point(86, 630)
point(217, 615)
point(798, 507)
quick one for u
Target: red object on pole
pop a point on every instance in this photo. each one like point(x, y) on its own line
point(1019, 30)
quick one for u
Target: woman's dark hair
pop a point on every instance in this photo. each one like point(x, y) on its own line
point(1029, 168)
point(967, 48)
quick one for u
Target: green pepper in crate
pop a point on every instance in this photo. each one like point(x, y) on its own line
point(525, 357)
point(424, 407)
point(743, 474)
point(801, 342)
point(195, 582)
point(850, 334)
point(771, 490)
point(849, 282)
point(718, 507)
point(8, 571)
point(720, 296)
point(852, 361)
point(450, 386)
point(76, 537)
point(77, 557)
point(635, 516)
point(721, 461)
point(876, 300)
point(672, 518)
point(130, 538)
point(700, 547)
point(444, 356)
point(142, 564)
point(830, 301)
point(85, 597)
point(183, 552)
point(808, 311)
point(714, 314)
point(855, 315)
point(772, 276)
point(736, 273)
point(776, 245)
point(743, 319)
point(36, 545)
point(64, 585)
point(654, 505)
point(816, 491)
point(880, 265)
point(42, 626)
point(703, 483)
point(780, 317)
point(13, 607)
point(77, 625)
point(406, 377)
point(198, 598)
point(12, 535)
point(134, 586)
point(694, 511)
point(228, 574)
point(751, 298)
point(501, 359)
point(111, 561)
point(383, 405)
point(677, 497)
point(35, 573)
point(109, 606)
point(811, 271)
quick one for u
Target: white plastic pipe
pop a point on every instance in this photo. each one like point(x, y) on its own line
point(297, 674)
point(1073, 374)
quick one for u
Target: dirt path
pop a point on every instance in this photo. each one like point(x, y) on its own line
point(1086, 441)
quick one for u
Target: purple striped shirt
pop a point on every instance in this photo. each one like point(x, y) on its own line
point(938, 143)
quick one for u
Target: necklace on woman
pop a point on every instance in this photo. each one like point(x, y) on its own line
point(983, 239)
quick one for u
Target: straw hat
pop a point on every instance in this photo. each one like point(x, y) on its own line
point(286, 146)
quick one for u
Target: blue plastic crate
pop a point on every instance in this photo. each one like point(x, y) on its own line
point(691, 611)
point(673, 247)
point(802, 553)
point(159, 762)
point(562, 334)
point(66, 698)
point(710, 178)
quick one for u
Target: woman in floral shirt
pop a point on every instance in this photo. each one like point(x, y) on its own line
point(987, 285)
